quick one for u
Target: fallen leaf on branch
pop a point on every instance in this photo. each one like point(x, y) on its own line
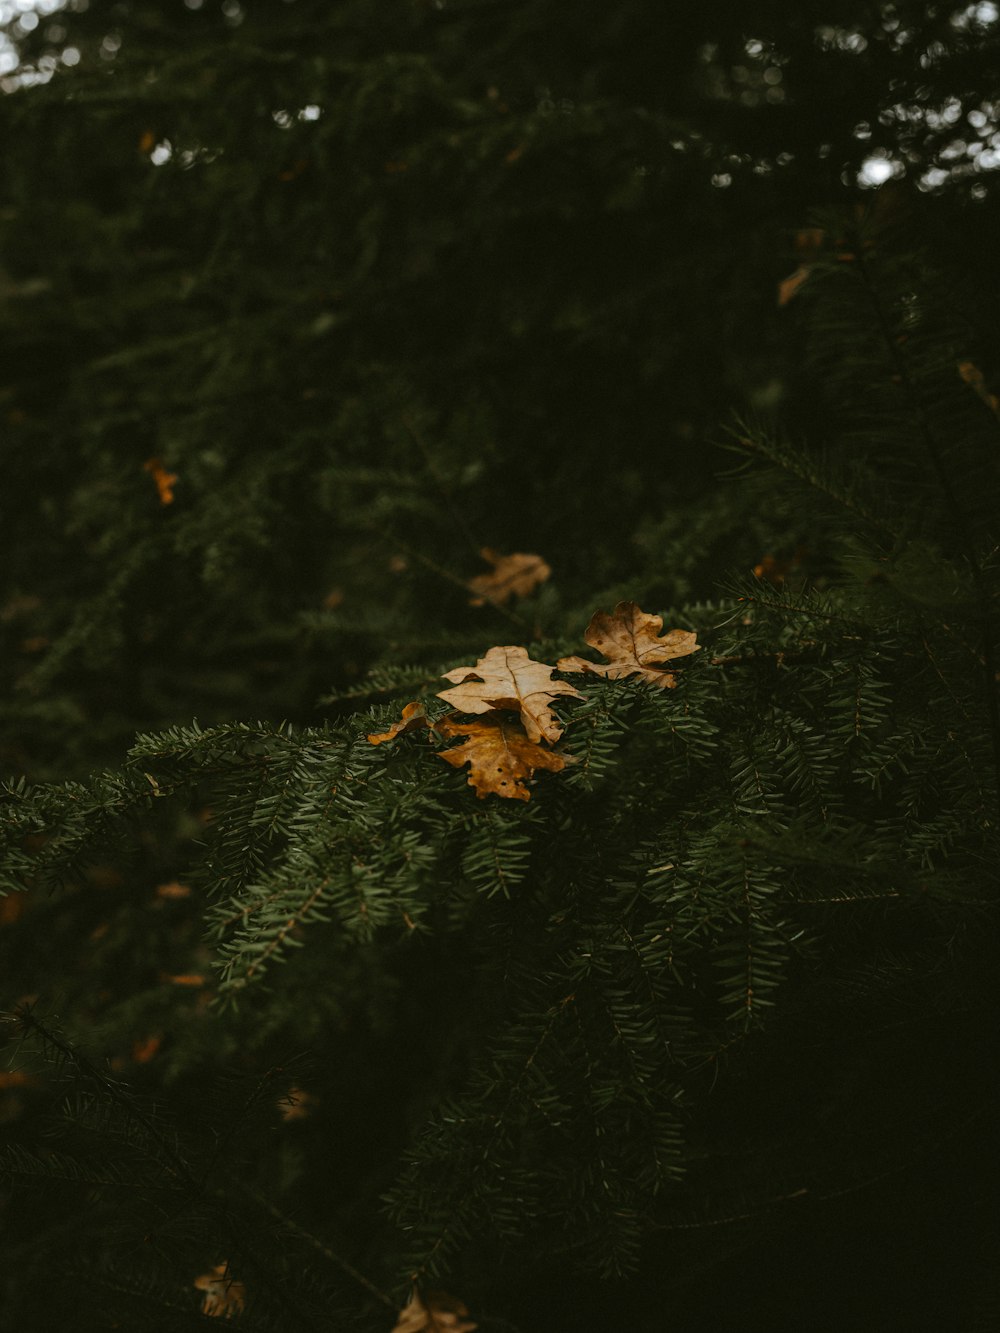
point(435, 1312)
point(628, 638)
point(507, 678)
point(514, 575)
point(502, 759)
point(413, 716)
point(223, 1295)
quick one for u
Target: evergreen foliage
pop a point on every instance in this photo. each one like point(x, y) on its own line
point(287, 1004)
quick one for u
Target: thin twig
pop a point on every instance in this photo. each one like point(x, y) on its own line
point(319, 1246)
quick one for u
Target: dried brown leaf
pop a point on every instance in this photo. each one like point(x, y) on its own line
point(144, 1049)
point(164, 479)
point(508, 678)
point(501, 757)
point(173, 890)
point(16, 1078)
point(224, 1296)
point(297, 1104)
point(628, 638)
point(514, 575)
point(976, 381)
point(433, 1312)
point(808, 241)
point(790, 285)
point(774, 569)
point(413, 716)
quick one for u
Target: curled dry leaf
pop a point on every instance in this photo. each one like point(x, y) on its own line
point(412, 717)
point(507, 678)
point(224, 1296)
point(502, 758)
point(433, 1312)
point(628, 638)
point(514, 575)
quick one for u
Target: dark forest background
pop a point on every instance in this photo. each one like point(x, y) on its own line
point(302, 306)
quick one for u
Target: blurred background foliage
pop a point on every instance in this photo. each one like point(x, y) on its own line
point(302, 305)
point(381, 285)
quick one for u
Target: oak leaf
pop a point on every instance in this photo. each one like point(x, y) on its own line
point(413, 716)
point(514, 575)
point(224, 1296)
point(628, 638)
point(508, 678)
point(501, 757)
point(434, 1312)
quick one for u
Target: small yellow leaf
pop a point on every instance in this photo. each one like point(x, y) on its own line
point(16, 1078)
point(974, 378)
point(514, 575)
point(297, 1104)
point(790, 285)
point(173, 889)
point(144, 1050)
point(413, 716)
point(164, 479)
point(433, 1312)
point(224, 1296)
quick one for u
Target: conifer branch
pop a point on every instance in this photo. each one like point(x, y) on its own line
point(319, 1246)
point(959, 519)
